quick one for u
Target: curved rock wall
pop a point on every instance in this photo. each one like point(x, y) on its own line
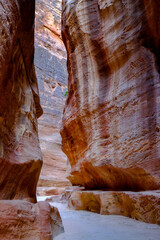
point(51, 71)
point(20, 155)
point(111, 123)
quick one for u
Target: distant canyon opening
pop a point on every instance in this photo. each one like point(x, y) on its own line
point(51, 71)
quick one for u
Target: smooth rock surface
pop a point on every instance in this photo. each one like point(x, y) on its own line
point(23, 220)
point(111, 123)
point(20, 154)
point(143, 206)
point(51, 70)
point(83, 225)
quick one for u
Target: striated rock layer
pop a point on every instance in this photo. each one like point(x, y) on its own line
point(143, 206)
point(51, 71)
point(20, 154)
point(111, 123)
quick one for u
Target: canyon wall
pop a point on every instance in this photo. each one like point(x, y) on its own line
point(20, 155)
point(51, 71)
point(111, 122)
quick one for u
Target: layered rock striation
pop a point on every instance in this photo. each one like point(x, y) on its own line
point(51, 71)
point(20, 155)
point(111, 123)
point(142, 206)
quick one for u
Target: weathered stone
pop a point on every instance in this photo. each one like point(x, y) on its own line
point(51, 70)
point(111, 121)
point(23, 220)
point(143, 206)
point(49, 191)
point(20, 155)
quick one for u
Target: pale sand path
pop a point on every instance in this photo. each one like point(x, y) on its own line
point(83, 225)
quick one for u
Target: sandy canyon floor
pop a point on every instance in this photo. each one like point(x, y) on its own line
point(83, 225)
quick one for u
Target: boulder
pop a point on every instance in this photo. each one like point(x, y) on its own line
point(24, 220)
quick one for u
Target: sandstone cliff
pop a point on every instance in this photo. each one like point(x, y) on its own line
point(111, 123)
point(51, 70)
point(20, 155)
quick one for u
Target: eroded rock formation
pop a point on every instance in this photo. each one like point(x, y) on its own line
point(111, 123)
point(143, 206)
point(20, 154)
point(24, 220)
point(51, 71)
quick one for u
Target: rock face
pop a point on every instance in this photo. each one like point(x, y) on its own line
point(111, 123)
point(51, 71)
point(143, 206)
point(20, 154)
point(23, 220)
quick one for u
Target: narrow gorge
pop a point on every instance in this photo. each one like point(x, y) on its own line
point(51, 71)
point(79, 119)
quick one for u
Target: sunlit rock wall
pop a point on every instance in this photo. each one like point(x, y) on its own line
point(111, 123)
point(50, 65)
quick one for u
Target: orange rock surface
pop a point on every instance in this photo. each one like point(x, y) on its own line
point(20, 154)
point(111, 123)
point(23, 220)
point(143, 206)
